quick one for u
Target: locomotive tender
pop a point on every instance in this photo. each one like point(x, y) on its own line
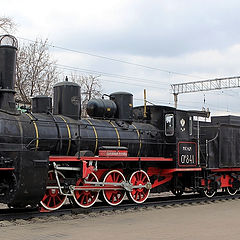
point(51, 154)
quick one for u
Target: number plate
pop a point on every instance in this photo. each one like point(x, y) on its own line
point(187, 154)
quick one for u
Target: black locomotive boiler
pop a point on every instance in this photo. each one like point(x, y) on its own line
point(50, 154)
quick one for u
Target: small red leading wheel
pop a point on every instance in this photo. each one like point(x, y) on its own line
point(114, 197)
point(86, 198)
point(139, 178)
point(52, 199)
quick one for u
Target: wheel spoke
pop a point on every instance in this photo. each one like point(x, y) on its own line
point(44, 197)
point(135, 193)
point(80, 194)
point(48, 204)
point(137, 196)
point(110, 178)
point(144, 177)
point(82, 199)
point(54, 201)
point(137, 176)
point(92, 179)
point(115, 197)
point(86, 197)
point(109, 194)
point(59, 198)
point(134, 180)
point(117, 178)
point(114, 177)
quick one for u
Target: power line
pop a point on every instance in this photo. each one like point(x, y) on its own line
point(160, 101)
point(116, 60)
point(77, 69)
point(133, 84)
point(116, 75)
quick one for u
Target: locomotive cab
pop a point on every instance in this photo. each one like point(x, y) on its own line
point(182, 128)
point(179, 132)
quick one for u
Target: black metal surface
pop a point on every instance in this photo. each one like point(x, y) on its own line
point(7, 77)
point(101, 108)
point(229, 140)
point(26, 184)
point(41, 104)
point(67, 99)
point(233, 120)
point(124, 102)
point(140, 139)
point(60, 134)
point(223, 146)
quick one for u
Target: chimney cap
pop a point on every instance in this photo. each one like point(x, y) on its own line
point(8, 40)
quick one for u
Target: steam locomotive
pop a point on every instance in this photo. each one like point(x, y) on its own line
point(50, 154)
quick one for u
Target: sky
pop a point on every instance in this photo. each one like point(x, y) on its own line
point(137, 44)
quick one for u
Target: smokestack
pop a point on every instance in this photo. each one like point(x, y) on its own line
point(8, 49)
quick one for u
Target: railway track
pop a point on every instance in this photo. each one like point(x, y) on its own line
point(28, 214)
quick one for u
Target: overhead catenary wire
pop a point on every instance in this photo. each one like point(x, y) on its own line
point(116, 60)
point(128, 83)
point(65, 67)
point(183, 104)
point(159, 100)
point(144, 80)
point(89, 71)
point(113, 59)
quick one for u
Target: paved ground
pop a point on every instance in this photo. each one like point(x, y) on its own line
point(208, 221)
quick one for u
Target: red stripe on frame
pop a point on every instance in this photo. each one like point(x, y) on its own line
point(226, 170)
point(75, 159)
point(7, 169)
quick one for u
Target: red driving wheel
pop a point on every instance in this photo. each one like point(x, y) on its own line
point(53, 200)
point(86, 198)
point(114, 197)
point(139, 178)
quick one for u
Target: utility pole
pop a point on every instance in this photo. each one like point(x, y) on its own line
point(205, 85)
point(175, 95)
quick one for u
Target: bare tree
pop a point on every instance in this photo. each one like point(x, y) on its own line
point(7, 25)
point(90, 88)
point(36, 71)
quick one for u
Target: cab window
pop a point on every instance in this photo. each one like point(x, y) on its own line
point(169, 124)
point(190, 126)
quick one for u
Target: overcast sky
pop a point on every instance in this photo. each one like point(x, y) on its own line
point(194, 37)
